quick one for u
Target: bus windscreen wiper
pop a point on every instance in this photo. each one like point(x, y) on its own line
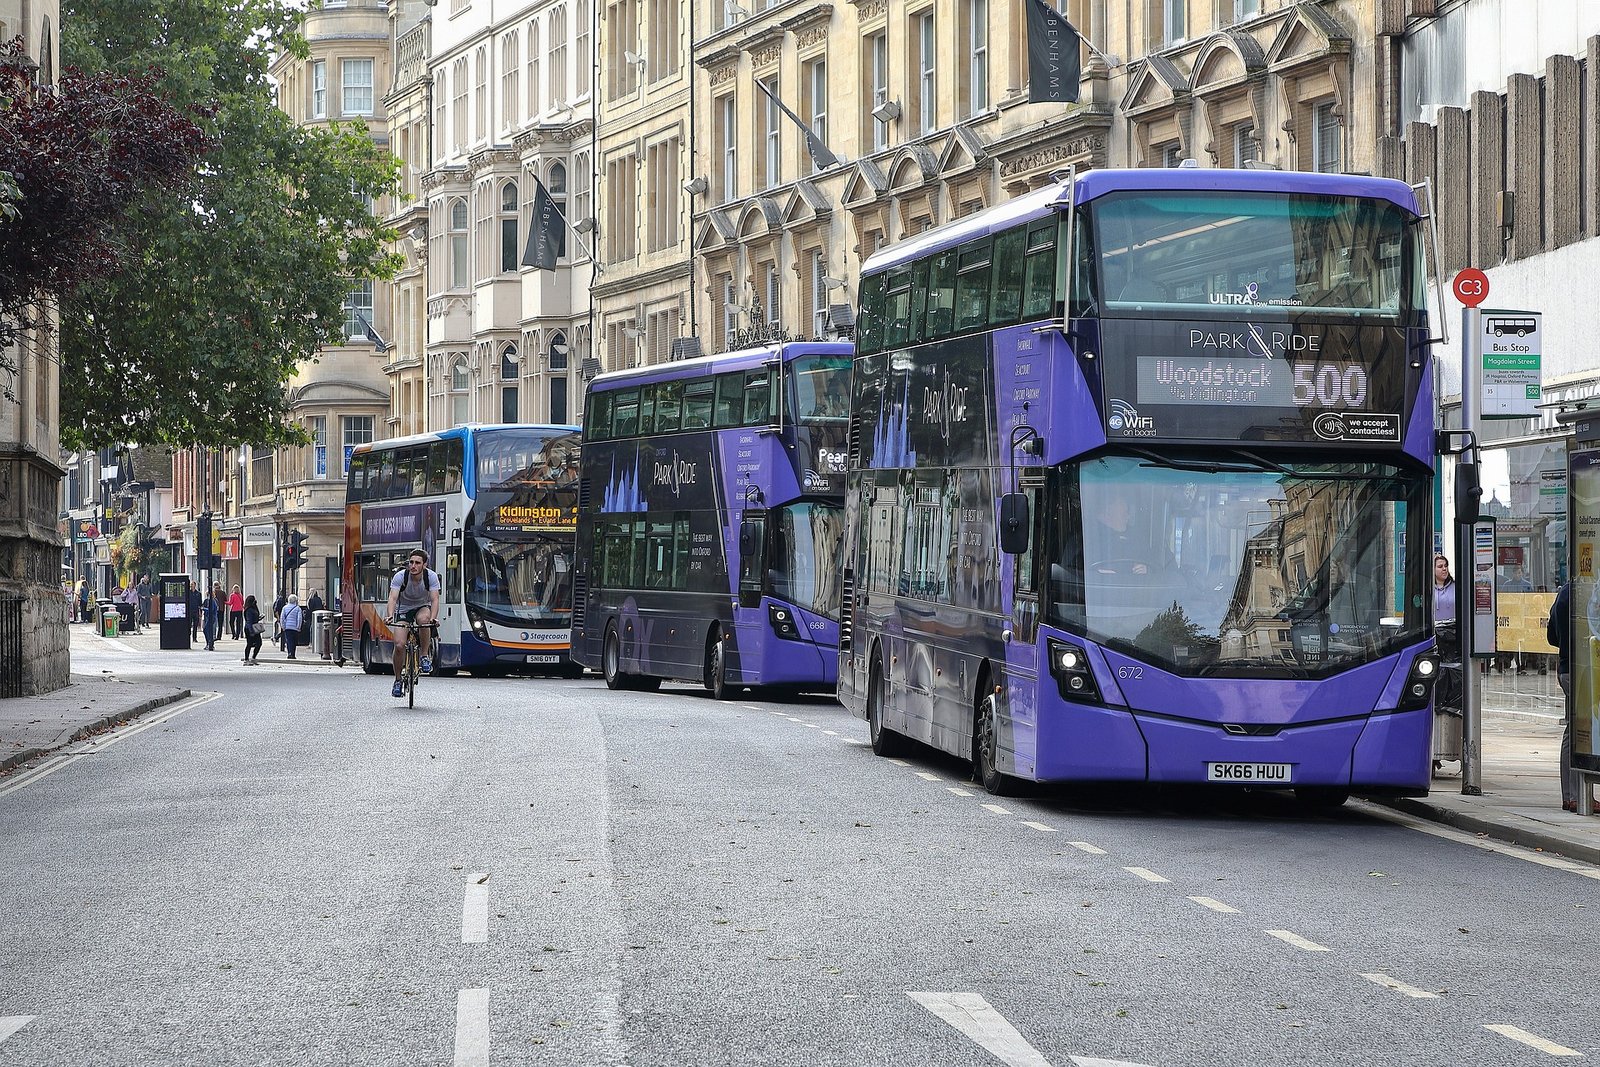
point(1198, 466)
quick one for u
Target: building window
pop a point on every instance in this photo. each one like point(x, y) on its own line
point(559, 357)
point(730, 311)
point(975, 30)
point(261, 482)
point(508, 228)
point(458, 104)
point(662, 164)
point(1171, 156)
point(623, 35)
point(728, 144)
point(877, 51)
point(460, 393)
point(1326, 137)
point(480, 94)
point(663, 47)
point(819, 295)
point(1174, 21)
point(556, 186)
point(558, 399)
point(771, 145)
point(582, 48)
point(925, 58)
point(510, 94)
point(558, 57)
point(319, 89)
point(582, 195)
point(622, 194)
point(1246, 149)
point(358, 310)
point(460, 265)
point(357, 76)
point(357, 431)
point(1246, 9)
point(533, 70)
point(317, 429)
point(509, 410)
point(441, 89)
point(814, 99)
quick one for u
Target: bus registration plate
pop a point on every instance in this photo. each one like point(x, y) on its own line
point(542, 657)
point(1269, 773)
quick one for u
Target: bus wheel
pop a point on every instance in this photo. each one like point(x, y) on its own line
point(367, 663)
point(986, 746)
point(885, 742)
point(716, 680)
point(611, 661)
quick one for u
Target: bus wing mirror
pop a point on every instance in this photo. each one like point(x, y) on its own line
point(1014, 525)
point(749, 538)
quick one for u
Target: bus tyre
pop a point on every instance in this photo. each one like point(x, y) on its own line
point(986, 746)
point(611, 661)
point(716, 680)
point(367, 663)
point(885, 742)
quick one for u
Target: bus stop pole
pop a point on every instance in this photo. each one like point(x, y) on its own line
point(1467, 512)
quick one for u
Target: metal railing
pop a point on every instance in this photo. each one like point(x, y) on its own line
point(11, 646)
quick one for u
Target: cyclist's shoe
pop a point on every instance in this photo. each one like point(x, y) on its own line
point(399, 688)
point(427, 664)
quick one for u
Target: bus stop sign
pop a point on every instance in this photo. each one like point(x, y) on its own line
point(1471, 287)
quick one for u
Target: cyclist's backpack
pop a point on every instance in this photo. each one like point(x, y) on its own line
point(427, 578)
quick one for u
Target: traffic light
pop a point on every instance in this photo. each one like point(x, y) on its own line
point(294, 554)
point(202, 541)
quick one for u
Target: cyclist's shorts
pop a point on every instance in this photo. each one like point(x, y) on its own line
point(406, 615)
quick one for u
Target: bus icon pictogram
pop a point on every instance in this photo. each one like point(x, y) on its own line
point(1500, 325)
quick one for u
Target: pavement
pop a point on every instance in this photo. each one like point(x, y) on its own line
point(1520, 802)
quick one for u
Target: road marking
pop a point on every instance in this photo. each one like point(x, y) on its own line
point(1215, 905)
point(1531, 1040)
point(959, 792)
point(10, 1024)
point(1297, 941)
point(1041, 827)
point(975, 1017)
point(831, 733)
point(472, 1028)
point(997, 809)
point(852, 741)
point(791, 718)
point(1084, 846)
point(79, 750)
point(810, 725)
point(926, 777)
point(1400, 987)
point(475, 910)
point(1146, 873)
point(1463, 837)
point(898, 762)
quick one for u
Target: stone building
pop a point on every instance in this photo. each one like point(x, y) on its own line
point(33, 611)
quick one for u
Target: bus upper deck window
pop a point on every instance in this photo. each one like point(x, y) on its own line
point(729, 410)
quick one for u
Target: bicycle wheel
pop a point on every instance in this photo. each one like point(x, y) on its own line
point(411, 672)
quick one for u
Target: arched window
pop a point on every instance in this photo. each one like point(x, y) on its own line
point(460, 392)
point(556, 186)
point(558, 351)
point(559, 355)
point(460, 265)
point(508, 227)
point(508, 388)
point(510, 70)
point(533, 70)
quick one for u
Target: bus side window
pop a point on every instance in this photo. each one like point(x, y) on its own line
point(357, 490)
point(437, 473)
point(757, 398)
point(941, 297)
point(669, 407)
point(625, 417)
point(1085, 269)
point(647, 408)
point(972, 287)
point(752, 558)
point(418, 470)
point(452, 575)
point(598, 424)
point(379, 489)
point(1005, 294)
point(869, 325)
point(730, 401)
point(897, 309)
point(1039, 275)
point(454, 453)
point(916, 320)
point(697, 399)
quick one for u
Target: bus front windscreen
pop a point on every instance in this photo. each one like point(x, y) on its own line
point(518, 458)
point(1233, 253)
point(1234, 565)
point(820, 389)
point(804, 565)
point(521, 582)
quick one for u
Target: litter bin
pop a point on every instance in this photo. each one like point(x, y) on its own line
point(128, 617)
point(110, 620)
point(323, 624)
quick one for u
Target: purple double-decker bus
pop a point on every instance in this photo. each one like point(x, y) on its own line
point(709, 520)
point(1140, 486)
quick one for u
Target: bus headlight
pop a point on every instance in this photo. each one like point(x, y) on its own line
point(1069, 665)
point(1419, 682)
point(479, 629)
point(783, 622)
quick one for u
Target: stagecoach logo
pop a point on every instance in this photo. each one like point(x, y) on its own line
point(944, 405)
point(1126, 421)
point(675, 473)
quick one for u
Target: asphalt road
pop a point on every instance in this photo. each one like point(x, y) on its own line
point(299, 870)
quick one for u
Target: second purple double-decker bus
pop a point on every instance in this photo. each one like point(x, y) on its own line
point(1140, 486)
point(709, 502)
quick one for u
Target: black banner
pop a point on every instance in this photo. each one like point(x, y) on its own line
point(1054, 65)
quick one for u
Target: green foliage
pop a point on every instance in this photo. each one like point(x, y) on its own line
point(242, 279)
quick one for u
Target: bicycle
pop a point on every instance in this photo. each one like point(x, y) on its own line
point(412, 653)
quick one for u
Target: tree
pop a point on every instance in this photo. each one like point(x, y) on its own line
point(80, 158)
point(244, 277)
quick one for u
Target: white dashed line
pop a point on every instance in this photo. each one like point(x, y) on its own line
point(1145, 873)
point(977, 1019)
point(1215, 905)
point(1084, 846)
point(472, 1028)
point(1532, 1040)
point(1400, 987)
point(1041, 827)
point(1297, 941)
point(926, 777)
point(791, 718)
point(851, 741)
point(831, 733)
point(997, 809)
point(810, 726)
point(10, 1024)
point(959, 792)
point(475, 910)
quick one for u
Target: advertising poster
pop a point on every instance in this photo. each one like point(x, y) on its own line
point(1585, 597)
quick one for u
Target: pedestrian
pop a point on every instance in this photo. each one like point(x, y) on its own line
point(194, 612)
point(236, 619)
point(130, 597)
point(290, 622)
point(313, 606)
point(252, 630)
point(83, 600)
point(1444, 591)
point(277, 618)
point(146, 593)
point(213, 617)
point(1558, 631)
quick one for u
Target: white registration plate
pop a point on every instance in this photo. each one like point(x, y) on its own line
point(1265, 773)
point(543, 657)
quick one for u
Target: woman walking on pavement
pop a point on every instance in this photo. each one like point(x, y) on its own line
point(236, 619)
point(252, 630)
point(290, 621)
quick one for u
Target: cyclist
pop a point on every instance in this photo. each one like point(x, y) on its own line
point(413, 598)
